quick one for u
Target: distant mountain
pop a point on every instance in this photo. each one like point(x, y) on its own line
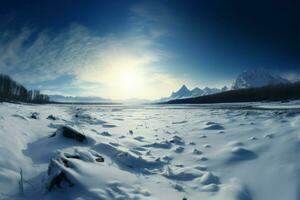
point(134, 101)
point(224, 89)
point(181, 93)
point(257, 78)
point(281, 92)
point(184, 92)
point(77, 99)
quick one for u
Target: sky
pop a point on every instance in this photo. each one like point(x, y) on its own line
point(122, 49)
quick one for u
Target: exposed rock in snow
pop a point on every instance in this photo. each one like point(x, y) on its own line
point(71, 133)
point(34, 115)
point(52, 117)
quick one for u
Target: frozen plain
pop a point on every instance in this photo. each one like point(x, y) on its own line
point(248, 151)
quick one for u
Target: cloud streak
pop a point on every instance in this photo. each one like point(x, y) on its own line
point(93, 61)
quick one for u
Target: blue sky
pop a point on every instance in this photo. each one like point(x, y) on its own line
point(145, 49)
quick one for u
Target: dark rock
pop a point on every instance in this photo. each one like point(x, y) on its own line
point(51, 117)
point(62, 163)
point(73, 156)
point(34, 115)
point(71, 133)
point(99, 159)
point(58, 179)
point(56, 175)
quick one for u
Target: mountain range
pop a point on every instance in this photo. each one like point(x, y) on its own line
point(184, 92)
point(248, 79)
point(257, 78)
point(78, 99)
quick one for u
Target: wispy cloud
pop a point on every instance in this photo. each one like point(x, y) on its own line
point(107, 62)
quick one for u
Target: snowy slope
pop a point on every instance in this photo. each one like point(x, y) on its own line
point(214, 152)
point(257, 78)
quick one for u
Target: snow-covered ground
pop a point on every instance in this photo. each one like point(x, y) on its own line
point(223, 152)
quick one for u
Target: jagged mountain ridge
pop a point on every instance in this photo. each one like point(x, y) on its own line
point(184, 92)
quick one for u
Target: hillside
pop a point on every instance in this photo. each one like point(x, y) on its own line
point(267, 93)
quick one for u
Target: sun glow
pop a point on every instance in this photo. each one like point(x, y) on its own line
point(128, 82)
point(126, 75)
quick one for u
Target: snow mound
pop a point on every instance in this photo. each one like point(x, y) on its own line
point(213, 126)
point(208, 178)
point(238, 154)
point(58, 173)
point(181, 174)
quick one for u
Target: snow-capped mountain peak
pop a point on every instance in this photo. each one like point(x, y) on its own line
point(182, 92)
point(257, 78)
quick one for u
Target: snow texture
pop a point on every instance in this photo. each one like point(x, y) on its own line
point(150, 152)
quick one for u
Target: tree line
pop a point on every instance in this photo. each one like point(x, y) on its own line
point(268, 93)
point(11, 90)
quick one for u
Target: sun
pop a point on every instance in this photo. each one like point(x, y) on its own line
point(123, 76)
point(128, 82)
